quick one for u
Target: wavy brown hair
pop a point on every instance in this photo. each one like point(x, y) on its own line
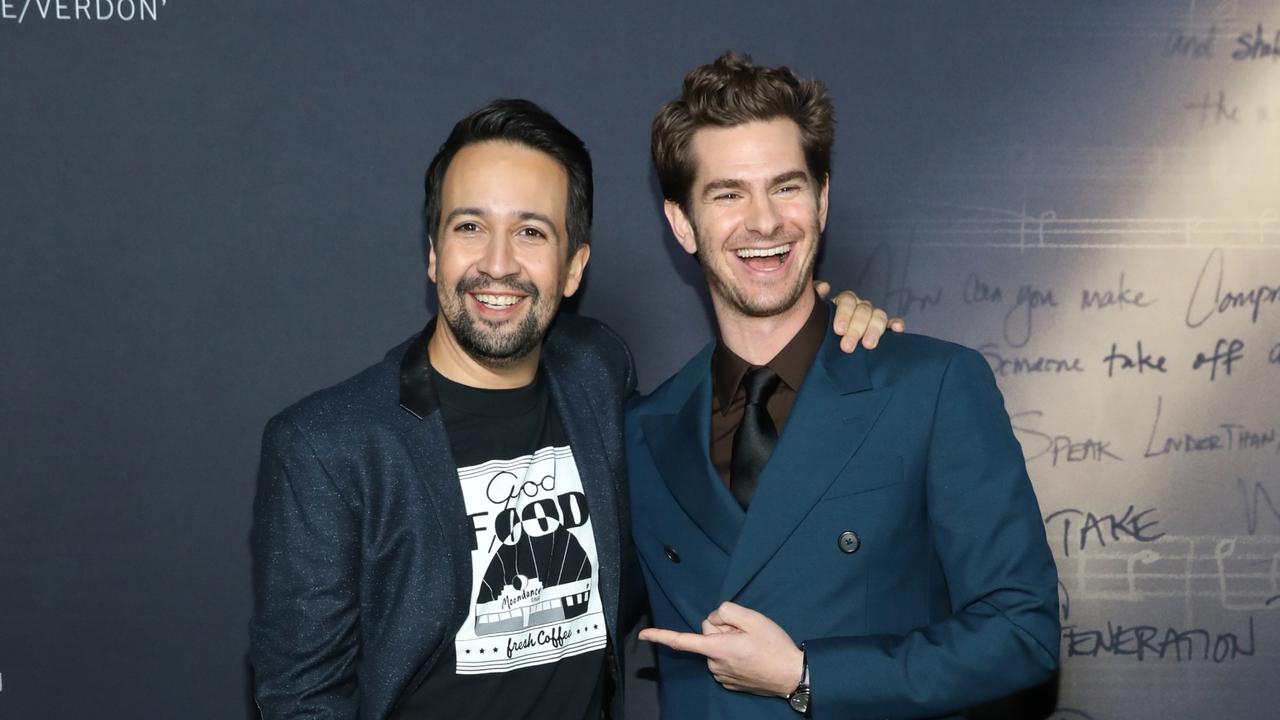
point(732, 91)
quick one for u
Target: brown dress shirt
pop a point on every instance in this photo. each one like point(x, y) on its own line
point(728, 398)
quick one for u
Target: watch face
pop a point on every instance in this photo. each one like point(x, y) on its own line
point(799, 700)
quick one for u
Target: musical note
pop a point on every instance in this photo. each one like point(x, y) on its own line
point(1046, 230)
point(1268, 218)
point(1240, 574)
point(1146, 557)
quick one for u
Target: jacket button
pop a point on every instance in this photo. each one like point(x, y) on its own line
point(672, 555)
point(848, 542)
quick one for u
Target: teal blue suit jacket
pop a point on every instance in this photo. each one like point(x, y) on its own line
point(950, 597)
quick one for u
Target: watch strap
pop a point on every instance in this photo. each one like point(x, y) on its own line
point(800, 699)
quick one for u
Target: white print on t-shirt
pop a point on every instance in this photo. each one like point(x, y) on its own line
point(533, 565)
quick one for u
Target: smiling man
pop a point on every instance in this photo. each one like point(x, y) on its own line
point(445, 534)
point(820, 534)
point(440, 536)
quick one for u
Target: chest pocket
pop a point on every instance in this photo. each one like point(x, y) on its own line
point(864, 474)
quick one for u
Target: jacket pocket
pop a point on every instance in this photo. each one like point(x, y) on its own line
point(864, 474)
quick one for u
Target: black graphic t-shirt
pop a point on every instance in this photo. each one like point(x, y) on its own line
point(533, 643)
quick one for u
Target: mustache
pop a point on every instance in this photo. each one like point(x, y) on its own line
point(778, 236)
point(479, 283)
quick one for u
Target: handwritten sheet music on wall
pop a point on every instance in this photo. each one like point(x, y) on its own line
point(1126, 292)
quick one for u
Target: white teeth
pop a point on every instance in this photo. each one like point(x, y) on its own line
point(764, 252)
point(498, 300)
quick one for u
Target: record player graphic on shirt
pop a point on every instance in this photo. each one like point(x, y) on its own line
point(538, 580)
point(534, 592)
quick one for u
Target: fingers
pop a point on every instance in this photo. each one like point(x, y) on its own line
point(730, 613)
point(714, 618)
point(727, 683)
point(879, 321)
point(822, 288)
point(845, 304)
point(710, 627)
point(721, 674)
point(898, 325)
point(715, 624)
point(684, 642)
point(859, 323)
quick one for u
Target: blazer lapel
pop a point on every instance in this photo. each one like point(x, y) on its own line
point(428, 446)
point(576, 406)
point(679, 445)
point(834, 411)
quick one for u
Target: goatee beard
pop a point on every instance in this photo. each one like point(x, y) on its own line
point(490, 348)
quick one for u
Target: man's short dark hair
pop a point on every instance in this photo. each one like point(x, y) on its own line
point(729, 92)
point(523, 123)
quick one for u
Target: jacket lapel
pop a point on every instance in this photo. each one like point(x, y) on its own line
point(577, 407)
point(834, 411)
point(428, 446)
point(679, 445)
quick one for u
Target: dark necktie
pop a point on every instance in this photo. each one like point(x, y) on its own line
point(754, 440)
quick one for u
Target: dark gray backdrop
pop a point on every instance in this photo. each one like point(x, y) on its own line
point(209, 209)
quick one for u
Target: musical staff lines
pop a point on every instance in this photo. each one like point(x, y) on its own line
point(1239, 573)
point(1013, 230)
point(1023, 163)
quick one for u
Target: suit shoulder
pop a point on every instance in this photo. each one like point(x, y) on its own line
point(672, 393)
point(917, 344)
point(580, 329)
point(901, 354)
point(581, 339)
point(361, 401)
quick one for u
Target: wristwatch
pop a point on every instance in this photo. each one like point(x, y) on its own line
point(799, 698)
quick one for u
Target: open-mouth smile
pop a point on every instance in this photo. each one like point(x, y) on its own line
point(764, 259)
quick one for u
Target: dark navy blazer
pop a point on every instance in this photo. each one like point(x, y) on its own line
point(361, 543)
point(894, 531)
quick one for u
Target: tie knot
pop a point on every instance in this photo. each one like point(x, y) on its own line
point(760, 382)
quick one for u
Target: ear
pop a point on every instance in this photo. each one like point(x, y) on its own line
point(822, 203)
point(681, 227)
point(577, 264)
point(431, 259)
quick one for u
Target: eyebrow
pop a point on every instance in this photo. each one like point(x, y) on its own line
point(722, 184)
point(735, 184)
point(518, 214)
point(459, 212)
point(787, 177)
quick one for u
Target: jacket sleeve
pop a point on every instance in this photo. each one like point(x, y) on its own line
point(304, 635)
point(634, 602)
point(1003, 633)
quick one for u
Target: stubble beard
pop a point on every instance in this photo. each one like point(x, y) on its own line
point(720, 279)
point(482, 340)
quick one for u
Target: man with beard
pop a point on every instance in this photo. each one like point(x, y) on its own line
point(826, 535)
point(444, 535)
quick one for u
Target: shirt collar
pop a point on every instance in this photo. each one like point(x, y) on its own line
point(791, 363)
